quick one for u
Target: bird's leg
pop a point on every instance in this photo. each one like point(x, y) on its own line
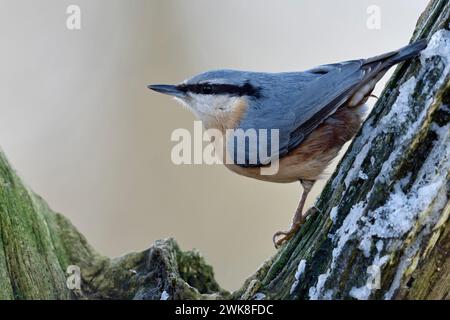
point(299, 218)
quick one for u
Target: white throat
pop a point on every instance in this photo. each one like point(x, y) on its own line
point(212, 109)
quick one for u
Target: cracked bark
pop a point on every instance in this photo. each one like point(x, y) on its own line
point(338, 247)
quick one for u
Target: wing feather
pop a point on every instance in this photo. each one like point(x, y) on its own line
point(302, 101)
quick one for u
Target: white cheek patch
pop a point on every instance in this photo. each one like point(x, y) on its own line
point(201, 103)
point(212, 104)
point(227, 104)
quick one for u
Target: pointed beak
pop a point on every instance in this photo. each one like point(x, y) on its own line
point(168, 89)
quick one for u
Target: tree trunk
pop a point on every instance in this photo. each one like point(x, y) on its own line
point(380, 229)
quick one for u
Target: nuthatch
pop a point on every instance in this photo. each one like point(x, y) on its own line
point(315, 111)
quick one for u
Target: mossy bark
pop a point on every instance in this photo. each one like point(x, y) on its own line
point(37, 246)
point(336, 247)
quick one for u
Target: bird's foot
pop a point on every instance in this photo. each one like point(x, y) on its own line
point(287, 235)
point(299, 218)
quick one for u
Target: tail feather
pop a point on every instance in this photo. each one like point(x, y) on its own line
point(387, 60)
point(409, 51)
point(376, 67)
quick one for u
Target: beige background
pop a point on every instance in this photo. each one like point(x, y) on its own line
point(79, 125)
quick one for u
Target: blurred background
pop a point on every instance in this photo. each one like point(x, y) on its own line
point(80, 127)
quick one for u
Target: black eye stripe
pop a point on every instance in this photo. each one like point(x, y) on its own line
point(210, 88)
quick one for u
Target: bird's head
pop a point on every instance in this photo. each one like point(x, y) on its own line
point(215, 94)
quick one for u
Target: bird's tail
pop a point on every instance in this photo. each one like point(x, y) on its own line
point(409, 51)
point(387, 60)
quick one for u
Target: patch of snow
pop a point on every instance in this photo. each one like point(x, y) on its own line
point(374, 271)
point(362, 175)
point(439, 45)
point(298, 274)
point(364, 139)
point(357, 163)
point(259, 296)
point(328, 295)
point(342, 235)
point(380, 245)
point(395, 218)
point(425, 194)
point(164, 295)
point(401, 108)
point(333, 214)
point(361, 293)
point(315, 293)
point(300, 269)
point(348, 228)
point(365, 245)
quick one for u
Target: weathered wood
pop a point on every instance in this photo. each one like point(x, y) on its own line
point(380, 229)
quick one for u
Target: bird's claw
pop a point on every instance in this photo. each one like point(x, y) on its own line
point(287, 235)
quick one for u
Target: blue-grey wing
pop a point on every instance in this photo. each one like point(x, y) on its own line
point(296, 103)
point(322, 97)
point(293, 109)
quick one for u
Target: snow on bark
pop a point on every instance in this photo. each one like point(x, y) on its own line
point(401, 212)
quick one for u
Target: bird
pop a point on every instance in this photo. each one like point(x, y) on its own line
point(315, 112)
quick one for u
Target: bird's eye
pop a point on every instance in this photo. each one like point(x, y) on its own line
point(207, 89)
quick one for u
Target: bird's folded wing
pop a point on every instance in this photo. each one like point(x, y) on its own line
point(327, 90)
point(321, 98)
